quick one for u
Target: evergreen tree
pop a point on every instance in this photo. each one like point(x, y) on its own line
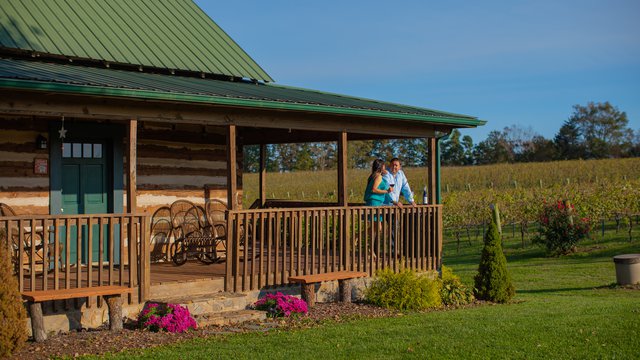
point(467, 144)
point(359, 154)
point(13, 331)
point(597, 130)
point(453, 151)
point(493, 282)
point(251, 158)
point(304, 159)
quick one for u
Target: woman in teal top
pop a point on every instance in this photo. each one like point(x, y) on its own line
point(377, 187)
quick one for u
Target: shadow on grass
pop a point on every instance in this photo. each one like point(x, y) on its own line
point(588, 250)
point(547, 291)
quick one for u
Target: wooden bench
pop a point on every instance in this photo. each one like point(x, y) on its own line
point(308, 282)
point(111, 293)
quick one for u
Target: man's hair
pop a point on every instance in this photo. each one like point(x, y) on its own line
point(394, 159)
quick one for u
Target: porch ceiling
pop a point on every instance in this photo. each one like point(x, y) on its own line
point(79, 80)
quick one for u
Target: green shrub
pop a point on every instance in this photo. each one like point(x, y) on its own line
point(493, 283)
point(452, 291)
point(13, 329)
point(405, 290)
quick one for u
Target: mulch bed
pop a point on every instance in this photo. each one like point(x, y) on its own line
point(101, 341)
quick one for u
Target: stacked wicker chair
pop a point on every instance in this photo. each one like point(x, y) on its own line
point(197, 232)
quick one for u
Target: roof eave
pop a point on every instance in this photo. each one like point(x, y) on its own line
point(241, 103)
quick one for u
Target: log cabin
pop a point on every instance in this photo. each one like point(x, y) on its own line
point(110, 112)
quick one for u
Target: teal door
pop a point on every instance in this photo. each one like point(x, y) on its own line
point(85, 190)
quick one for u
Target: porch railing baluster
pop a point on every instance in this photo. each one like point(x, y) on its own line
point(57, 251)
point(311, 241)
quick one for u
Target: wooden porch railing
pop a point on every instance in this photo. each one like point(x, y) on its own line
point(266, 246)
point(79, 251)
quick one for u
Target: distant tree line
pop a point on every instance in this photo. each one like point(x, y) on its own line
point(594, 131)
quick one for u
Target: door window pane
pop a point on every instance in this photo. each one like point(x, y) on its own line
point(86, 150)
point(66, 150)
point(77, 150)
point(97, 151)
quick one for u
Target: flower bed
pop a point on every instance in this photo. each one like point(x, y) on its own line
point(279, 304)
point(170, 317)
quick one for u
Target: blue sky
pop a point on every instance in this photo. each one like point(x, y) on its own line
point(508, 62)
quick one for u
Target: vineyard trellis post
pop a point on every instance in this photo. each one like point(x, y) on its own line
point(496, 216)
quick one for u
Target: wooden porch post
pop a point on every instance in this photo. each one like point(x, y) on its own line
point(343, 198)
point(142, 275)
point(432, 170)
point(132, 202)
point(263, 174)
point(232, 204)
point(232, 180)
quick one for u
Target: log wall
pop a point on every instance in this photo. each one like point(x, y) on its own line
point(175, 161)
point(20, 187)
point(181, 161)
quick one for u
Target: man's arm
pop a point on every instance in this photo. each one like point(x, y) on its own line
point(406, 189)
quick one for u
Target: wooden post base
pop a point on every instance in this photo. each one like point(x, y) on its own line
point(37, 322)
point(114, 303)
point(309, 294)
point(345, 290)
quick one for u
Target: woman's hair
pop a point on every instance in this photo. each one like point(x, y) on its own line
point(376, 167)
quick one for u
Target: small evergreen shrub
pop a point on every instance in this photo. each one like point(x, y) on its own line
point(13, 326)
point(452, 291)
point(493, 283)
point(170, 317)
point(279, 305)
point(404, 290)
point(560, 229)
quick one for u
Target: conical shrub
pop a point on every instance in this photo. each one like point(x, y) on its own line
point(13, 329)
point(493, 283)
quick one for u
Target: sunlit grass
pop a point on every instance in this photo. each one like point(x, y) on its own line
point(565, 307)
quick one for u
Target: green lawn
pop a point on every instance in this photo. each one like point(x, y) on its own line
point(564, 308)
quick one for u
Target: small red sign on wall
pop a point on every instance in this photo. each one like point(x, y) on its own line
point(41, 166)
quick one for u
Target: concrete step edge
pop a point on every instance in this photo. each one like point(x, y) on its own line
point(230, 317)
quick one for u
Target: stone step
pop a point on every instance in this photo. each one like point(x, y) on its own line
point(230, 318)
point(208, 303)
point(187, 288)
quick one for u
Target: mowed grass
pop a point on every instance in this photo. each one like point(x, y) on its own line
point(564, 308)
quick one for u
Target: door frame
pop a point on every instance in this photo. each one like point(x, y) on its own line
point(114, 135)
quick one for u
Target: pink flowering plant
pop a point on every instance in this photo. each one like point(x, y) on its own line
point(279, 304)
point(170, 317)
point(560, 228)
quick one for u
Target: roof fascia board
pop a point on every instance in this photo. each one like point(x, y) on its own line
point(248, 103)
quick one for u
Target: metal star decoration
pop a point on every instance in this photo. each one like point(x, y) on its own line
point(62, 131)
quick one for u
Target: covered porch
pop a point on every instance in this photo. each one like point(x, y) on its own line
point(163, 143)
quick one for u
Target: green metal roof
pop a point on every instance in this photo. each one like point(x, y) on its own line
point(74, 79)
point(165, 34)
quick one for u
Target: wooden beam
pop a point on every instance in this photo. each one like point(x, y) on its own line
point(254, 136)
point(343, 198)
point(263, 174)
point(232, 180)
point(132, 203)
point(431, 170)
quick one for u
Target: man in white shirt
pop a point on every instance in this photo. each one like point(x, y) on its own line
point(396, 177)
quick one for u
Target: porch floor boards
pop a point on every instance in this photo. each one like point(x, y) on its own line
point(192, 270)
